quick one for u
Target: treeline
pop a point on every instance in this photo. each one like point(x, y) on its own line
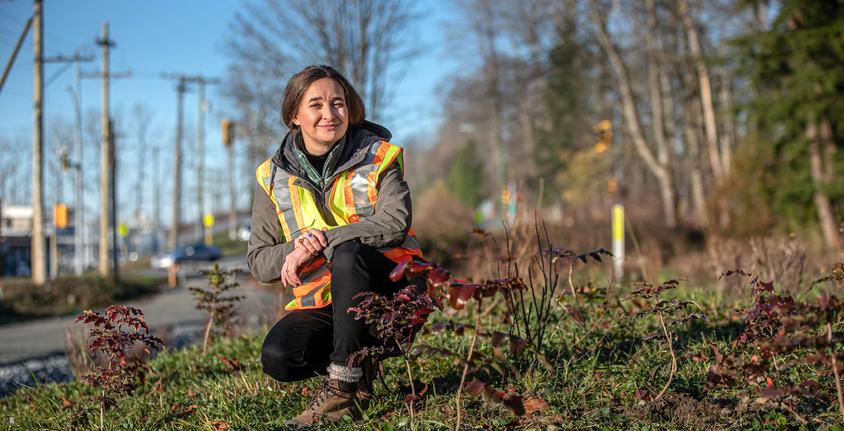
point(720, 115)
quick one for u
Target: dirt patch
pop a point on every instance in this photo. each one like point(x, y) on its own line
point(681, 410)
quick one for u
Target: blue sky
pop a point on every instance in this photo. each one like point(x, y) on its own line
point(185, 36)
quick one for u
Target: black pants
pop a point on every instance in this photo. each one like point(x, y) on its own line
point(303, 343)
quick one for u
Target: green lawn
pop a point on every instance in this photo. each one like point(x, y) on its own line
point(601, 373)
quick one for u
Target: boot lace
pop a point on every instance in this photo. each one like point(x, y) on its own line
point(326, 391)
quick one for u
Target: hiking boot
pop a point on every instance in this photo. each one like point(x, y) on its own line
point(334, 400)
point(370, 368)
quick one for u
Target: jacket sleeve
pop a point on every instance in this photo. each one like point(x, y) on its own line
point(391, 221)
point(266, 249)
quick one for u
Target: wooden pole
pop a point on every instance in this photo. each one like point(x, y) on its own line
point(39, 264)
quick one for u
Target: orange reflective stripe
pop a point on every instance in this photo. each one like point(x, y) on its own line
point(372, 190)
point(348, 193)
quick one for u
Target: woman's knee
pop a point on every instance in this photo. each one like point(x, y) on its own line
point(349, 257)
point(275, 362)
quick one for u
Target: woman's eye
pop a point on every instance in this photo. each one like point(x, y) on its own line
point(315, 106)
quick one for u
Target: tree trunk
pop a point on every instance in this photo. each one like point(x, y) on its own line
point(728, 134)
point(692, 134)
point(705, 87)
point(819, 181)
point(631, 117)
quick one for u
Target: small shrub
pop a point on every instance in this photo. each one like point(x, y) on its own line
point(221, 309)
point(111, 336)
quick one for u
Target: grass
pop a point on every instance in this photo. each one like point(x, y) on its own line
point(598, 368)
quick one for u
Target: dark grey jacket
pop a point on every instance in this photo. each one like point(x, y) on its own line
point(388, 226)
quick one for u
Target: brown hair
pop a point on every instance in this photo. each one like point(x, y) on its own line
point(299, 83)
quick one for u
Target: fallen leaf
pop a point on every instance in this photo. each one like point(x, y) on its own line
point(219, 425)
point(231, 364)
point(533, 405)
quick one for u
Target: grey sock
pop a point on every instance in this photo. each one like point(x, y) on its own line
point(344, 374)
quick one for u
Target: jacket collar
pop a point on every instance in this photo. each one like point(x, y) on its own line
point(357, 142)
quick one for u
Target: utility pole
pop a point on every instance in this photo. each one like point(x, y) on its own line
point(200, 146)
point(227, 128)
point(181, 88)
point(106, 148)
point(156, 218)
point(79, 220)
point(39, 263)
point(106, 157)
point(113, 192)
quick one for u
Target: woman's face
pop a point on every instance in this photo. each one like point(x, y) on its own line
point(323, 116)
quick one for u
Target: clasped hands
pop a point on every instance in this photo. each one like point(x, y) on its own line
point(306, 247)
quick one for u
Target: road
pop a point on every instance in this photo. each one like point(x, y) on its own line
point(170, 307)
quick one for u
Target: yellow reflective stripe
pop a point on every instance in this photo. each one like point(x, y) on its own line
point(297, 207)
point(389, 157)
point(400, 159)
point(337, 201)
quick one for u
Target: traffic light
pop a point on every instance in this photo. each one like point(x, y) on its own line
point(60, 216)
point(605, 135)
point(227, 128)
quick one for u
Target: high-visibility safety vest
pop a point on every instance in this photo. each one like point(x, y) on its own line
point(352, 197)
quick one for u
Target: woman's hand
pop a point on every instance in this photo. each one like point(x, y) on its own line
point(295, 260)
point(313, 241)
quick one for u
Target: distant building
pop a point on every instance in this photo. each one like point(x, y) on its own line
point(16, 221)
point(15, 241)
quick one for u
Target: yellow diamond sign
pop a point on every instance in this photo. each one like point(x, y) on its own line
point(208, 220)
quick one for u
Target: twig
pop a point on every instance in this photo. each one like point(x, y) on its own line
point(466, 365)
point(794, 412)
point(673, 358)
point(835, 370)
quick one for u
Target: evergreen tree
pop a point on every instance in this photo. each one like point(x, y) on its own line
point(567, 80)
point(463, 175)
point(797, 69)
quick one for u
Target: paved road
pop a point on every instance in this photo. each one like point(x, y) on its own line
point(171, 307)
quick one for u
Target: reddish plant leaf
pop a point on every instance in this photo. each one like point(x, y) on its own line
point(438, 276)
point(458, 295)
point(417, 268)
point(398, 272)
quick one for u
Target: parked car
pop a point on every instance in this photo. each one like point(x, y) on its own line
point(195, 252)
point(244, 232)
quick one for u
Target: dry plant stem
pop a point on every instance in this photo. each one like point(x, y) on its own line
point(207, 334)
point(466, 365)
point(410, 380)
point(412, 392)
point(102, 411)
point(673, 358)
point(796, 415)
point(835, 370)
point(571, 285)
